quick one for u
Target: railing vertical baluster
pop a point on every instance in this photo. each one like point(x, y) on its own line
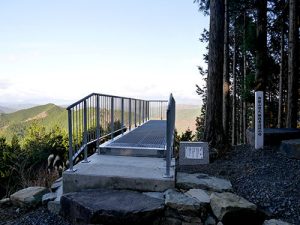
point(143, 111)
point(140, 108)
point(98, 124)
point(148, 116)
point(129, 114)
point(70, 140)
point(161, 111)
point(122, 114)
point(135, 112)
point(85, 129)
point(112, 118)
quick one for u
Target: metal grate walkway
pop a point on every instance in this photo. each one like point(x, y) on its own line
point(148, 139)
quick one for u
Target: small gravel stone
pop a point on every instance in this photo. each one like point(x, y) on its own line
point(38, 216)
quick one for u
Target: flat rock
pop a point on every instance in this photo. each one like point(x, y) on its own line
point(233, 209)
point(181, 202)
point(49, 197)
point(5, 201)
point(275, 222)
point(202, 181)
point(159, 195)
point(111, 207)
point(30, 196)
point(54, 206)
point(199, 194)
point(291, 148)
point(59, 193)
point(56, 184)
point(210, 221)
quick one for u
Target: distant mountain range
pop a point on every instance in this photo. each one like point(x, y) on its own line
point(49, 115)
point(6, 109)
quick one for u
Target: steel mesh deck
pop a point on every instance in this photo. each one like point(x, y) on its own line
point(152, 134)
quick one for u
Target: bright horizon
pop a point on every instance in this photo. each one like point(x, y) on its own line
point(60, 51)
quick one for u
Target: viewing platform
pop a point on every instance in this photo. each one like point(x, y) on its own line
point(137, 144)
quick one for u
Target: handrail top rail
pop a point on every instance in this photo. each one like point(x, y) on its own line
point(106, 95)
point(153, 100)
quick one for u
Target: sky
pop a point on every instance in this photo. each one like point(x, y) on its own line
point(62, 50)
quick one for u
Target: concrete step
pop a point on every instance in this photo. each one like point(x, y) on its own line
point(291, 148)
point(131, 151)
point(119, 172)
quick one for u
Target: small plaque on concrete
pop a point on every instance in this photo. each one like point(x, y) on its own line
point(193, 153)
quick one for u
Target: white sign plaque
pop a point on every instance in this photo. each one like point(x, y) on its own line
point(259, 120)
point(193, 152)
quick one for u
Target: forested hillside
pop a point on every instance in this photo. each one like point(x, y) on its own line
point(45, 115)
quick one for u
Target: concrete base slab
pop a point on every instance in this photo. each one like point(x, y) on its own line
point(119, 172)
point(274, 136)
point(291, 148)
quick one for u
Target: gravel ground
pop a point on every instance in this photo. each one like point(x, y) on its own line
point(264, 177)
point(11, 215)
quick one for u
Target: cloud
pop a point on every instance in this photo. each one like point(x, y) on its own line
point(4, 84)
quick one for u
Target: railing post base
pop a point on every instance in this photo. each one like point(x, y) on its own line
point(167, 176)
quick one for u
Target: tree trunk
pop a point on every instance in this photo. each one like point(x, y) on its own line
point(226, 94)
point(241, 117)
point(244, 82)
point(233, 136)
point(291, 120)
point(261, 45)
point(214, 129)
point(279, 119)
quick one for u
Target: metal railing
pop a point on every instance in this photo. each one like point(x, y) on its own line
point(158, 109)
point(98, 117)
point(171, 114)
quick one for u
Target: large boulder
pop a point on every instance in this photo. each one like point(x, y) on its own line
point(111, 207)
point(202, 181)
point(233, 209)
point(28, 197)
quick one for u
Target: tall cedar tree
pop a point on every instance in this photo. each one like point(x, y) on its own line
point(214, 130)
point(293, 51)
point(226, 82)
point(261, 49)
